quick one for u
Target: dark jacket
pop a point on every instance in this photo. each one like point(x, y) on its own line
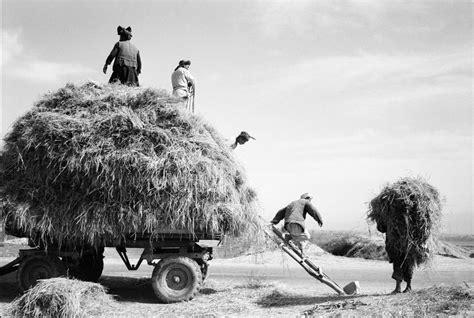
point(125, 54)
point(296, 211)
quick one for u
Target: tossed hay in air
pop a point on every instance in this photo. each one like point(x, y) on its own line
point(93, 162)
point(61, 297)
point(409, 212)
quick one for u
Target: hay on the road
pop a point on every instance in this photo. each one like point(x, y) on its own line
point(61, 297)
point(93, 162)
point(409, 212)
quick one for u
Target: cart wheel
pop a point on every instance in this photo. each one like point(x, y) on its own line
point(88, 268)
point(176, 278)
point(38, 267)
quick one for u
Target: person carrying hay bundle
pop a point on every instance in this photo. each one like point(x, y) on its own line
point(127, 61)
point(408, 212)
point(295, 215)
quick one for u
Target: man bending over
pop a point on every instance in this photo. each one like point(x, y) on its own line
point(295, 215)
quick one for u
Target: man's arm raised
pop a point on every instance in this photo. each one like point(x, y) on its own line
point(311, 210)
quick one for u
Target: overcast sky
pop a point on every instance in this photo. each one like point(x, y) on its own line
point(342, 96)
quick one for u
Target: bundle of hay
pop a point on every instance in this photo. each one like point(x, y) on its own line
point(93, 162)
point(408, 211)
point(61, 297)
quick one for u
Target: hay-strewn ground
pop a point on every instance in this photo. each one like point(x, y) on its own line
point(256, 297)
point(261, 298)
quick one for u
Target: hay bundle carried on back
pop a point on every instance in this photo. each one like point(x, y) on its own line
point(93, 162)
point(409, 212)
point(61, 297)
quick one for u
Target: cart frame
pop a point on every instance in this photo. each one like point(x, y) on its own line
point(178, 278)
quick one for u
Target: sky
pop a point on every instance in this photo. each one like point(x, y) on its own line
point(341, 96)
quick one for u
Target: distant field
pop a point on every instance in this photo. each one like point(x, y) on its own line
point(372, 246)
point(466, 241)
point(321, 237)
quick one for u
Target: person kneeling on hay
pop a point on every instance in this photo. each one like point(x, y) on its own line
point(127, 64)
point(295, 215)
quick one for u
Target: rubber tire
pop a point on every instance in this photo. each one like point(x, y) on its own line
point(33, 268)
point(89, 269)
point(186, 269)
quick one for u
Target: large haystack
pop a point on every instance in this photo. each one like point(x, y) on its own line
point(92, 162)
point(61, 297)
point(408, 211)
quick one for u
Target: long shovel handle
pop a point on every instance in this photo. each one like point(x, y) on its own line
point(309, 266)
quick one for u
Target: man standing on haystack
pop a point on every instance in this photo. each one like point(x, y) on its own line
point(183, 82)
point(295, 215)
point(127, 64)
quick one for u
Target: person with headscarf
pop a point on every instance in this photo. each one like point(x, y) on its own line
point(127, 63)
point(241, 139)
point(182, 80)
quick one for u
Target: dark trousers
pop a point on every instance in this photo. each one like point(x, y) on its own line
point(403, 270)
point(125, 74)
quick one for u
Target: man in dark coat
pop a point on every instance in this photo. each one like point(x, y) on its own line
point(127, 64)
point(295, 215)
point(396, 246)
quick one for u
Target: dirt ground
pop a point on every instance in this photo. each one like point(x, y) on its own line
point(271, 284)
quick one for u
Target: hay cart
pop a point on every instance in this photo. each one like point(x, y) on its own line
point(180, 261)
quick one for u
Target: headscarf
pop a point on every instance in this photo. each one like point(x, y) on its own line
point(182, 63)
point(124, 33)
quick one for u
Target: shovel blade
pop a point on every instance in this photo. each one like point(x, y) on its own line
point(353, 288)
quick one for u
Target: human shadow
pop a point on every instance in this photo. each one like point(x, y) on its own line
point(283, 299)
point(133, 289)
point(129, 289)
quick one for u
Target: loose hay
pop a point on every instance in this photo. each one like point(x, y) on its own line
point(409, 212)
point(61, 297)
point(94, 162)
point(436, 301)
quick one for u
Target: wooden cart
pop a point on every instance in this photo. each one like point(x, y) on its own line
point(180, 261)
